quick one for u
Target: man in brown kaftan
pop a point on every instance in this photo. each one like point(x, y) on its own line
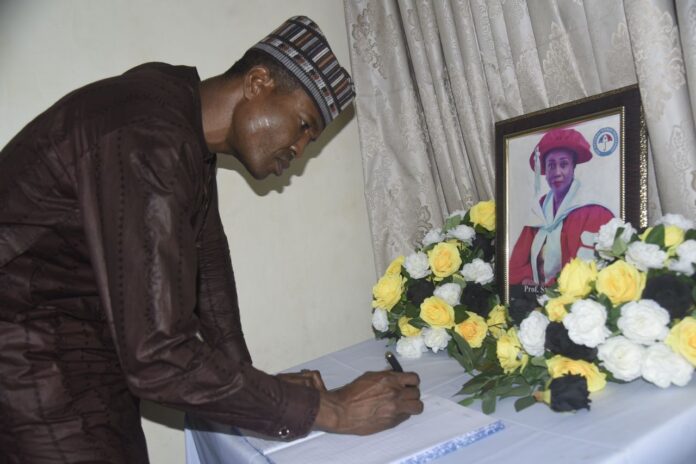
point(115, 277)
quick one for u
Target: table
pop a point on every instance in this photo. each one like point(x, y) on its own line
point(631, 423)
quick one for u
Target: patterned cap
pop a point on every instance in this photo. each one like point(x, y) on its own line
point(300, 46)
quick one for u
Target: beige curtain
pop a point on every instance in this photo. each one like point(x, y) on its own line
point(433, 77)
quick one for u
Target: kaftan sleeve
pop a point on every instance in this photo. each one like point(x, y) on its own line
point(139, 189)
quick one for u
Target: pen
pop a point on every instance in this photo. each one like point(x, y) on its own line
point(391, 359)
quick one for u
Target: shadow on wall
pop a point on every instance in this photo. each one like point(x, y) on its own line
point(297, 167)
point(172, 418)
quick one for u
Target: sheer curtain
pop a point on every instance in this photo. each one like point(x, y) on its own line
point(433, 76)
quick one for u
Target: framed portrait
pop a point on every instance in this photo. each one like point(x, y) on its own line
point(561, 173)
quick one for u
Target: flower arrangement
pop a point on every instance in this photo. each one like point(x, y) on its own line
point(442, 295)
point(627, 314)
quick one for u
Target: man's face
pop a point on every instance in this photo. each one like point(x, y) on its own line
point(271, 129)
point(560, 170)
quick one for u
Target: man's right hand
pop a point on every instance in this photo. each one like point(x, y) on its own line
point(373, 402)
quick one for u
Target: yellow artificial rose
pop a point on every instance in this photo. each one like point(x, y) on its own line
point(674, 236)
point(444, 259)
point(483, 214)
point(509, 352)
point(682, 339)
point(621, 282)
point(437, 313)
point(556, 307)
point(407, 330)
point(496, 321)
point(559, 366)
point(387, 291)
point(395, 266)
point(576, 278)
point(473, 330)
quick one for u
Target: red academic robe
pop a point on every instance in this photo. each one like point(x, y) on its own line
point(586, 218)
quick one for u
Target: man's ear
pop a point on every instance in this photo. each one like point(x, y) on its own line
point(257, 81)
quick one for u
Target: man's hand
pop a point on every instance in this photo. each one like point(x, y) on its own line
point(305, 377)
point(373, 402)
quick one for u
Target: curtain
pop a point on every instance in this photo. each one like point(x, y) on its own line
point(434, 76)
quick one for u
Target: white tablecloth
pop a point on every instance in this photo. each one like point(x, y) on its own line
point(631, 423)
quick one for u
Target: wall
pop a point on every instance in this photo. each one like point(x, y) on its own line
point(300, 243)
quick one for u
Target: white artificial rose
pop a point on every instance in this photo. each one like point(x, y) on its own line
point(411, 347)
point(682, 266)
point(417, 265)
point(663, 367)
point(532, 333)
point(435, 338)
point(645, 256)
point(478, 271)
point(643, 321)
point(450, 293)
point(676, 220)
point(586, 323)
point(379, 320)
point(606, 234)
point(433, 236)
point(460, 212)
point(462, 232)
point(686, 252)
point(621, 357)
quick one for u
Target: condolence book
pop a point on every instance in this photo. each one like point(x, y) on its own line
point(443, 427)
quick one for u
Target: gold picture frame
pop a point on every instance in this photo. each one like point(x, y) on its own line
point(545, 220)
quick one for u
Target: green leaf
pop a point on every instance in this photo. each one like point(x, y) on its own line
point(657, 236)
point(605, 301)
point(397, 310)
point(468, 401)
point(619, 247)
point(488, 404)
point(418, 323)
point(690, 234)
point(467, 219)
point(473, 385)
point(411, 310)
point(501, 389)
point(464, 361)
point(463, 351)
point(613, 316)
point(534, 375)
point(460, 314)
point(524, 403)
point(451, 223)
point(459, 280)
point(520, 390)
point(538, 361)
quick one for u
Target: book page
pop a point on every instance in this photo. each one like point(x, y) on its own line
point(443, 427)
point(266, 446)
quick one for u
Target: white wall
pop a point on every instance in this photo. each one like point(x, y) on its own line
point(303, 258)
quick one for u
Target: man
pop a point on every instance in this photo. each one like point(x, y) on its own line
point(115, 277)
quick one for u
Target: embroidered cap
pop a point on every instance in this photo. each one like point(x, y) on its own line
point(300, 46)
point(570, 139)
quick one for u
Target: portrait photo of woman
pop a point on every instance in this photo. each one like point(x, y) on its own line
point(564, 185)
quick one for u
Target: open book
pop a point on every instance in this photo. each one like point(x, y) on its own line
point(443, 427)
